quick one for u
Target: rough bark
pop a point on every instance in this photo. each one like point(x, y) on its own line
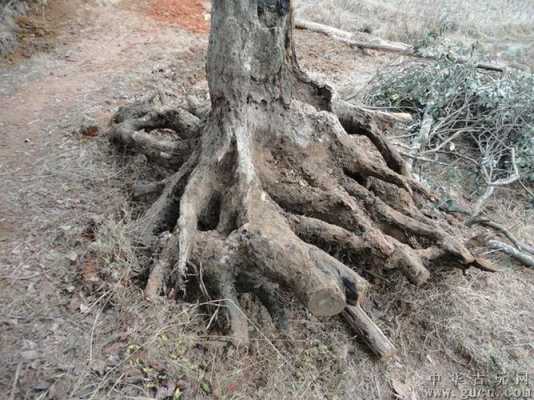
point(269, 190)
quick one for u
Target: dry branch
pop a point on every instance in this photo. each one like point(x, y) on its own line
point(348, 38)
point(492, 184)
point(369, 332)
point(382, 45)
point(523, 257)
point(498, 227)
point(421, 139)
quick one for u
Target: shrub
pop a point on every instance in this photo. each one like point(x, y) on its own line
point(492, 113)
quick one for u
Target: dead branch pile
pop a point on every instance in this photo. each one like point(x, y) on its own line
point(484, 118)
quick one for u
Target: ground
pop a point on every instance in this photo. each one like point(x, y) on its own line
point(74, 325)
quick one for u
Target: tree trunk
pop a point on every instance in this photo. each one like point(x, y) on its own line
point(270, 188)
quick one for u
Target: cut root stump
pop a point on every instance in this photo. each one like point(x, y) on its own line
point(369, 332)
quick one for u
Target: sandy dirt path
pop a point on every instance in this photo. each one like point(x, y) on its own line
point(105, 53)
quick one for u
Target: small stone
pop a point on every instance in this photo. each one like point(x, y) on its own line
point(41, 386)
point(72, 256)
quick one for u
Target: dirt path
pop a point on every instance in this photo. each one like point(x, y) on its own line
point(53, 179)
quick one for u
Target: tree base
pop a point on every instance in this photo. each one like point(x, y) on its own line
point(282, 195)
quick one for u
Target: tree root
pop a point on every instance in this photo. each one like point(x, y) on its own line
point(501, 229)
point(259, 211)
point(129, 128)
point(369, 332)
point(371, 123)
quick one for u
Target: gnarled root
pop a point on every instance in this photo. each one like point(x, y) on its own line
point(282, 199)
point(131, 127)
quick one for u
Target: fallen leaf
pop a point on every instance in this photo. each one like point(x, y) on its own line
point(89, 131)
point(205, 387)
point(89, 270)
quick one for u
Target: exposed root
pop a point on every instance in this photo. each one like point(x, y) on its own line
point(144, 189)
point(369, 332)
point(218, 259)
point(371, 123)
point(162, 268)
point(162, 215)
point(522, 256)
point(130, 125)
point(268, 293)
point(144, 116)
point(278, 206)
point(313, 274)
point(410, 263)
point(501, 229)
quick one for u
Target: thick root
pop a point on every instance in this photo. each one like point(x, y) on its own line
point(256, 213)
point(371, 123)
point(130, 125)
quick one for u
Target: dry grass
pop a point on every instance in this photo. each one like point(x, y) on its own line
point(9, 11)
point(503, 28)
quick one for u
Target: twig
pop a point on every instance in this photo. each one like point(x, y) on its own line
point(91, 337)
point(442, 144)
point(479, 205)
point(492, 185)
point(15, 381)
point(422, 158)
point(526, 189)
point(498, 227)
point(512, 252)
point(512, 178)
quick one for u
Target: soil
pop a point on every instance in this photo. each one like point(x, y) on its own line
point(189, 14)
point(100, 56)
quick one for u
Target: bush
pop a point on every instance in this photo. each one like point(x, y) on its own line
point(492, 113)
